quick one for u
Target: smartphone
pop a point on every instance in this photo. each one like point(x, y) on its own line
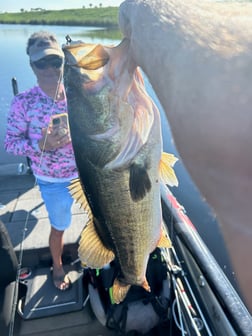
point(59, 123)
point(60, 120)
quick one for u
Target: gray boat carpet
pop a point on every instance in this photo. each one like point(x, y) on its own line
point(43, 299)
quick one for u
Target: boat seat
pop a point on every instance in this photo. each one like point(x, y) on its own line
point(6, 301)
point(43, 299)
point(8, 270)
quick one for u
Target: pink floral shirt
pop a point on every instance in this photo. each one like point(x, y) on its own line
point(30, 112)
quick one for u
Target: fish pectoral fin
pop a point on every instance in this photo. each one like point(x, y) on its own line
point(95, 59)
point(167, 173)
point(164, 240)
point(139, 182)
point(119, 291)
point(92, 251)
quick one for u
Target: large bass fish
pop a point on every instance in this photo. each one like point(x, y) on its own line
point(116, 136)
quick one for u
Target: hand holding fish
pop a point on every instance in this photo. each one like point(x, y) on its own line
point(53, 138)
point(198, 54)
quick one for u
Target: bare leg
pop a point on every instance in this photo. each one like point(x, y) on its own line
point(56, 248)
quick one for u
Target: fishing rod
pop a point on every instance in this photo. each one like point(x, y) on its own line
point(21, 168)
point(20, 260)
point(191, 317)
point(187, 316)
point(190, 320)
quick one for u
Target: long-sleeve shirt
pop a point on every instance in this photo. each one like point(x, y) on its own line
point(31, 111)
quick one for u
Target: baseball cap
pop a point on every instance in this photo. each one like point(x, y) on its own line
point(43, 44)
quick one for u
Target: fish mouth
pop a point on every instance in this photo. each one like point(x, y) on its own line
point(84, 55)
point(87, 61)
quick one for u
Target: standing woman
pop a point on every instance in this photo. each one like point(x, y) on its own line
point(37, 128)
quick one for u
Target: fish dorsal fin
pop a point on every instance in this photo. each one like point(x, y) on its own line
point(164, 241)
point(95, 59)
point(91, 250)
point(139, 182)
point(166, 170)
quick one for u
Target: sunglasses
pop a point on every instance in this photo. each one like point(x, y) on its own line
point(51, 61)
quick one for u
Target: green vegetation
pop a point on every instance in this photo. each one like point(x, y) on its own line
point(111, 34)
point(101, 17)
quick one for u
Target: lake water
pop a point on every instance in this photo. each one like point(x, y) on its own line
point(14, 63)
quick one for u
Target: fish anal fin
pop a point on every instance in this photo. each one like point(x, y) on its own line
point(166, 170)
point(119, 291)
point(139, 182)
point(145, 285)
point(164, 240)
point(92, 251)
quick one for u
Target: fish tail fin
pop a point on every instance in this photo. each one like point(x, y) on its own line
point(119, 291)
point(167, 173)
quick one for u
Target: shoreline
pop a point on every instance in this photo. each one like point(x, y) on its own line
point(100, 17)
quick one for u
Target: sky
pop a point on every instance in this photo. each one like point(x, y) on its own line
point(15, 6)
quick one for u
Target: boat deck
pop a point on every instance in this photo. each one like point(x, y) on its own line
point(24, 214)
point(21, 207)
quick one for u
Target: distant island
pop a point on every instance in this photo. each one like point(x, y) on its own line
point(94, 16)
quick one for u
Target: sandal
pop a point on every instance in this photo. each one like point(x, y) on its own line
point(61, 283)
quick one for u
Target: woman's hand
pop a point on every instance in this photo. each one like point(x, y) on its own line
point(54, 137)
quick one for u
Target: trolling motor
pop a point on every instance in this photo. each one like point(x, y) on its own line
point(14, 86)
